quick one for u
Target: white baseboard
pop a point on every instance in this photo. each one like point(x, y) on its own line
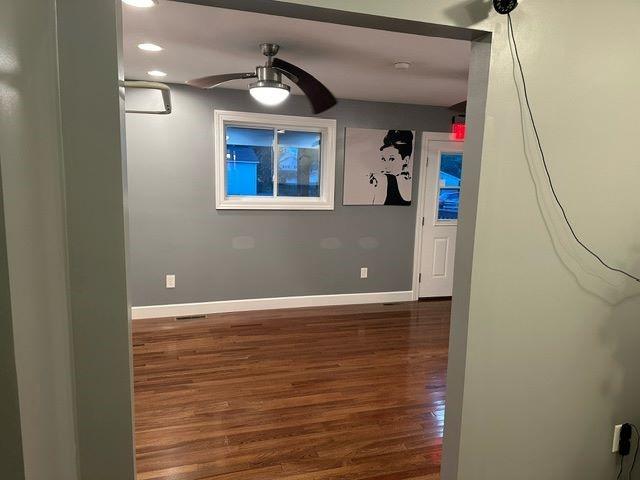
point(203, 308)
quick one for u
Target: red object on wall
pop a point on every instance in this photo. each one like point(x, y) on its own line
point(458, 130)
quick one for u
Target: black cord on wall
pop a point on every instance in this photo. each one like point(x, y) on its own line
point(546, 168)
point(635, 455)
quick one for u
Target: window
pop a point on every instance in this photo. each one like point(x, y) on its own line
point(274, 161)
point(449, 185)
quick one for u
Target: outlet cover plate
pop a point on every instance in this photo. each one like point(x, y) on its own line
point(616, 438)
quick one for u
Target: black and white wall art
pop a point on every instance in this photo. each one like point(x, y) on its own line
point(378, 167)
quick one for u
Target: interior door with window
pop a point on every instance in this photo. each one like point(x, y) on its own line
point(440, 220)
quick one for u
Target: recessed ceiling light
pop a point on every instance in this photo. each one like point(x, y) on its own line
point(141, 3)
point(157, 73)
point(402, 65)
point(150, 47)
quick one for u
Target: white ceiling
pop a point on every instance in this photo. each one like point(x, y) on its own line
point(352, 62)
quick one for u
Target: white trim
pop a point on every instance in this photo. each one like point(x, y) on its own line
point(326, 127)
point(203, 308)
point(422, 179)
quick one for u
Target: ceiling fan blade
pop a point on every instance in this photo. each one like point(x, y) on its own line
point(320, 97)
point(459, 107)
point(213, 80)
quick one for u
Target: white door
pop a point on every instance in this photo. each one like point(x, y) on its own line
point(440, 220)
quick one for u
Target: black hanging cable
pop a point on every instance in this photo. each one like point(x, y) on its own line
point(621, 465)
point(635, 455)
point(546, 168)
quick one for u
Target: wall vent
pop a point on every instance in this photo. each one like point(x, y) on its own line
point(191, 317)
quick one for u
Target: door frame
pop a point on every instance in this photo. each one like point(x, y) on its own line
point(97, 344)
point(422, 180)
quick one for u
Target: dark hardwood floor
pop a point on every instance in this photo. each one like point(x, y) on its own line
point(330, 393)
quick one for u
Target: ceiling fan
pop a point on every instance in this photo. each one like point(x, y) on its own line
point(269, 88)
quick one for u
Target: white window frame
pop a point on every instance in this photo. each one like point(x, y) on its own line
point(436, 220)
point(326, 127)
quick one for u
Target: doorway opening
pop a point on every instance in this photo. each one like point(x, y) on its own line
point(273, 278)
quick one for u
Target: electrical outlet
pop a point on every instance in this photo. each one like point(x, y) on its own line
point(364, 272)
point(170, 281)
point(616, 438)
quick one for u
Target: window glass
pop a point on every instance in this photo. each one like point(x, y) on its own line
point(249, 161)
point(448, 203)
point(298, 163)
point(449, 185)
point(450, 169)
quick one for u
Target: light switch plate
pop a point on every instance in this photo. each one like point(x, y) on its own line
point(170, 281)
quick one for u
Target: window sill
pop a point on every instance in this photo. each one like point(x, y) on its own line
point(241, 203)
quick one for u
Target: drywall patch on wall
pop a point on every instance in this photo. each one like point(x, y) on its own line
point(330, 243)
point(368, 243)
point(243, 243)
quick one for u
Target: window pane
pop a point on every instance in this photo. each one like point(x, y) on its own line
point(249, 161)
point(448, 202)
point(298, 163)
point(450, 169)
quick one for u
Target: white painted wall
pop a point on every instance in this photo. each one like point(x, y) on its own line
point(551, 353)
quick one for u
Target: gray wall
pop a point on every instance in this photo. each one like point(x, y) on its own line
point(478, 78)
point(175, 228)
point(32, 189)
point(11, 435)
point(92, 128)
point(62, 195)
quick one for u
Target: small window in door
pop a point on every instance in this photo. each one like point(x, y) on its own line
point(449, 182)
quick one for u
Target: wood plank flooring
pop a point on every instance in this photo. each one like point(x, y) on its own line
point(352, 392)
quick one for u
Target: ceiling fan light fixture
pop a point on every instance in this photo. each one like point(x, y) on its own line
point(268, 92)
point(269, 89)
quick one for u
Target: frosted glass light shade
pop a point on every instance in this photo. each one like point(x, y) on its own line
point(269, 96)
